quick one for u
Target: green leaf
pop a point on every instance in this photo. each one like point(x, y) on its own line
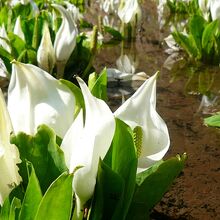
point(28, 56)
point(15, 208)
point(6, 57)
point(186, 42)
point(196, 27)
point(108, 192)
point(124, 156)
point(57, 201)
point(152, 184)
point(213, 121)
point(208, 37)
point(5, 209)
point(16, 43)
point(98, 84)
point(43, 152)
point(32, 197)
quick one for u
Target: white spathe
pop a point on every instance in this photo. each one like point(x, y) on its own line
point(215, 9)
point(17, 28)
point(85, 143)
point(4, 38)
point(125, 70)
point(204, 6)
point(128, 11)
point(140, 110)
point(65, 40)
point(35, 98)
point(46, 54)
point(9, 155)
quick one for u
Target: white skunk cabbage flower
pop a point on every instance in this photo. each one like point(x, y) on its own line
point(73, 11)
point(86, 142)
point(129, 10)
point(9, 155)
point(45, 53)
point(204, 6)
point(4, 38)
point(18, 30)
point(125, 71)
point(65, 40)
point(215, 9)
point(140, 114)
point(35, 98)
point(3, 69)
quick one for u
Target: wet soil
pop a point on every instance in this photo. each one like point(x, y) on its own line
point(195, 193)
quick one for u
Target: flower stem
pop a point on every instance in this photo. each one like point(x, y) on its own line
point(78, 211)
point(60, 69)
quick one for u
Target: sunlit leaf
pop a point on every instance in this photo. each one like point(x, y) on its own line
point(98, 84)
point(124, 156)
point(196, 27)
point(213, 121)
point(108, 193)
point(152, 184)
point(57, 201)
point(32, 198)
point(43, 152)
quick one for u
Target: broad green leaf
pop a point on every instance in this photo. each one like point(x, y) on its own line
point(42, 151)
point(5, 209)
point(187, 43)
point(32, 198)
point(14, 209)
point(108, 192)
point(124, 156)
point(17, 44)
point(28, 56)
point(98, 84)
point(4, 15)
point(213, 121)
point(77, 93)
point(57, 201)
point(152, 184)
point(208, 37)
point(196, 27)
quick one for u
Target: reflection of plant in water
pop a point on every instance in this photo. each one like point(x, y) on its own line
point(201, 79)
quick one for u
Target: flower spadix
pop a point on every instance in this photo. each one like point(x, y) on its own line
point(150, 130)
point(35, 97)
point(86, 141)
point(65, 40)
point(9, 155)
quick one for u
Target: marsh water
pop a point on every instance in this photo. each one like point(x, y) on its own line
point(186, 94)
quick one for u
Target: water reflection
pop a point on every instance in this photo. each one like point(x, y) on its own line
point(186, 93)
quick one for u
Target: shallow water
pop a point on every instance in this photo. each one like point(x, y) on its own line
point(195, 194)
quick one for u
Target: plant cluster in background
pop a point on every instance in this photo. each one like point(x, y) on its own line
point(193, 46)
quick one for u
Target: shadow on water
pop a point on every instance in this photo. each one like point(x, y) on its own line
point(185, 95)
